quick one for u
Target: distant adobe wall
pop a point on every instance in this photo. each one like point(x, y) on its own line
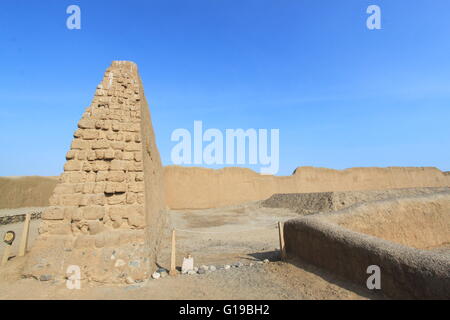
point(106, 212)
point(20, 192)
point(199, 188)
point(386, 234)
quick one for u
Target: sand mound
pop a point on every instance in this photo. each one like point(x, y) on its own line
point(417, 222)
point(308, 203)
point(395, 235)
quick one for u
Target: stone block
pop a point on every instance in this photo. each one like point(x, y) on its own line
point(137, 222)
point(99, 187)
point(93, 212)
point(88, 188)
point(100, 154)
point(116, 199)
point(59, 228)
point(87, 167)
point(73, 165)
point(116, 176)
point(82, 155)
point(138, 156)
point(78, 144)
point(70, 199)
point(131, 198)
point(53, 213)
point(118, 165)
point(128, 156)
point(73, 213)
point(86, 124)
point(91, 156)
point(109, 155)
point(100, 144)
point(90, 134)
point(117, 145)
point(101, 176)
point(133, 147)
point(95, 227)
point(117, 212)
point(70, 155)
point(100, 166)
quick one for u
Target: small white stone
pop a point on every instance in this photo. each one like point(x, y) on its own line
point(191, 272)
point(188, 264)
point(119, 263)
point(266, 260)
point(156, 275)
point(212, 268)
point(227, 267)
point(203, 267)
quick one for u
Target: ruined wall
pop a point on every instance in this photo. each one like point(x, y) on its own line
point(110, 191)
point(338, 242)
point(198, 188)
point(309, 203)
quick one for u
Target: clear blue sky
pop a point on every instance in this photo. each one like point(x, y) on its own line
point(341, 95)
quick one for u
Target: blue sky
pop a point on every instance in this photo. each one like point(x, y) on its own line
point(341, 95)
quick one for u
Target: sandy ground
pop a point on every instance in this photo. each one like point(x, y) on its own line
point(245, 233)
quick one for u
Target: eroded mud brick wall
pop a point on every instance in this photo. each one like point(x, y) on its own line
point(106, 213)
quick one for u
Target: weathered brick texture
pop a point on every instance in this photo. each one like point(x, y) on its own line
point(102, 191)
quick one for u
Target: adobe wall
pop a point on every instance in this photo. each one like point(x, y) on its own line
point(338, 242)
point(21, 192)
point(109, 201)
point(200, 188)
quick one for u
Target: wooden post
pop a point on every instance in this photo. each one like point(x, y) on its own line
point(281, 234)
point(6, 254)
point(25, 232)
point(173, 270)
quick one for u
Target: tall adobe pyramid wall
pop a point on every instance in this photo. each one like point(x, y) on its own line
point(106, 213)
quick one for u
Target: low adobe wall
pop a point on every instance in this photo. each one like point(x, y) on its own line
point(201, 188)
point(406, 273)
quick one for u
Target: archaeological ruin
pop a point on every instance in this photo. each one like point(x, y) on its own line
point(106, 213)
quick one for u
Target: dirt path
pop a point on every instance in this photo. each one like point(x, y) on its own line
point(245, 233)
point(268, 281)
